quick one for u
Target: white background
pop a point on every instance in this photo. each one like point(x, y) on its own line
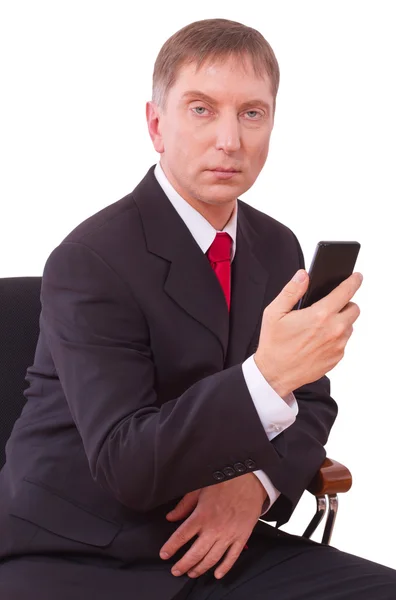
point(75, 77)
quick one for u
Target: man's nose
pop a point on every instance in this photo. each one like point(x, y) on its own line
point(228, 134)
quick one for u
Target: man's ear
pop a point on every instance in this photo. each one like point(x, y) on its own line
point(153, 117)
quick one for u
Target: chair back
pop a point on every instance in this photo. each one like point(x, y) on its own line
point(19, 327)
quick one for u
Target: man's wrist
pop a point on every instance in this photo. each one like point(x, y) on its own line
point(280, 388)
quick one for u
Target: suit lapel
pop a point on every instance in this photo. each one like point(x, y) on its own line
point(249, 282)
point(190, 281)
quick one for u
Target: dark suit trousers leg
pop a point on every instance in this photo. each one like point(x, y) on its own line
point(293, 570)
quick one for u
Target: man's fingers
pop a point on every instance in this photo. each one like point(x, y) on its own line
point(232, 556)
point(347, 318)
point(350, 312)
point(211, 558)
point(198, 552)
point(341, 295)
point(181, 536)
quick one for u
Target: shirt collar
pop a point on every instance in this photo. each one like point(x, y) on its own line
point(201, 230)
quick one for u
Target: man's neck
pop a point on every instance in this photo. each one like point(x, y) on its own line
point(217, 215)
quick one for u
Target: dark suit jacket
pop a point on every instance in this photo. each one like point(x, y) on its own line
point(137, 394)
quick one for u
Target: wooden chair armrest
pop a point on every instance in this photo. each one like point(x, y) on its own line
point(332, 478)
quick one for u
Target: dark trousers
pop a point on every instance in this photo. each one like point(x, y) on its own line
point(294, 570)
point(288, 568)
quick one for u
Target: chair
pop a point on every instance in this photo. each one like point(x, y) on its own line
point(19, 328)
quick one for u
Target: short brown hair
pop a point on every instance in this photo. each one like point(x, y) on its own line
point(215, 39)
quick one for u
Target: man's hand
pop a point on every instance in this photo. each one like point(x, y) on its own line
point(223, 516)
point(300, 346)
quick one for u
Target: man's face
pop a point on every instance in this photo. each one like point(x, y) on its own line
point(228, 128)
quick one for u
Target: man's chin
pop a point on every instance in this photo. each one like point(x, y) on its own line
point(218, 199)
point(222, 193)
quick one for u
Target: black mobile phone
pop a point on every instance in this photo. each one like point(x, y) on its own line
point(332, 263)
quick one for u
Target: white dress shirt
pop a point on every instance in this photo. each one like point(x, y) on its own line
point(275, 413)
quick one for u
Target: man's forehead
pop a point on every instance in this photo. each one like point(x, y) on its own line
point(213, 79)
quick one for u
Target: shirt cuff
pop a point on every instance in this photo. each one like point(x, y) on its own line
point(276, 414)
point(273, 493)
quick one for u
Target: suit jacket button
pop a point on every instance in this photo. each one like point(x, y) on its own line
point(250, 463)
point(229, 472)
point(218, 475)
point(239, 467)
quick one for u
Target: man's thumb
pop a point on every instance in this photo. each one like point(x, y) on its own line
point(292, 292)
point(184, 507)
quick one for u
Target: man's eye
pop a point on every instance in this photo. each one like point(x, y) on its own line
point(199, 108)
point(253, 111)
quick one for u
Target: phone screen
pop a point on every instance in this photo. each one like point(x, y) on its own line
point(333, 262)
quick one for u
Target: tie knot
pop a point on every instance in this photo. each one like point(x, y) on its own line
point(220, 248)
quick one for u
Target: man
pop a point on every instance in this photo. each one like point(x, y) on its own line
point(175, 396)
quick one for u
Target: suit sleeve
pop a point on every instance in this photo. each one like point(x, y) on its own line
point(301, 445)
point(276, 414)
point(142, 452)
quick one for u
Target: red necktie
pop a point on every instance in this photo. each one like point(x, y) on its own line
point(219, 255)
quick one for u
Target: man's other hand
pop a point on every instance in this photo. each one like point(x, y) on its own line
point(223, 516)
